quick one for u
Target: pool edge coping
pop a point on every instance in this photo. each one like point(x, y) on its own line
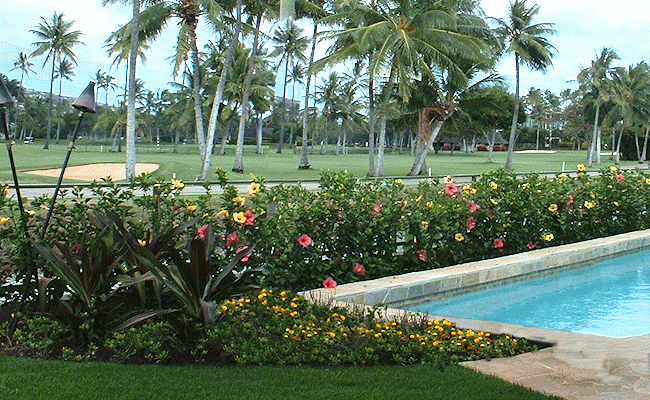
point(411, 288)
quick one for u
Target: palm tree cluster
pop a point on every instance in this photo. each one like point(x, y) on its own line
point(416, 63)
point(618, 97)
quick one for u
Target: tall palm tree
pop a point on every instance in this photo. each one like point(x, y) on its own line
point(327, 94)
point(25, 66)
point(64, 70)
point(257, 10)
point(596, 79)
point(134, 36)
point(314, 11)
point(104, 81)
point(295, 75)
point(405, 37)
point(527, 40)
point(55, 38)
point(631, 97)
point(291, 45)
point(206, 155)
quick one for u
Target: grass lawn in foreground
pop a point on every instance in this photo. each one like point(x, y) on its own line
point(27, 379)
point(271, 165)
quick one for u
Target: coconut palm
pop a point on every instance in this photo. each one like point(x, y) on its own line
point(257, 11)
point(630, 94)
point(64, 70)
point(25, 66)
point(596, 80)
point(296, 74)
point(55, 38)
point(134, 36)
point(104, 81)
point(528, 42)
point(314, 11)
point(403, 38)
point(291, 45)
point(253, 88)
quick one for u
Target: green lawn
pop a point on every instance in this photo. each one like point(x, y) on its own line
point(28, 379)
point(271, 165)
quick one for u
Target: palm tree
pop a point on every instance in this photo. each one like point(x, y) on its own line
point(25, 66)
point(134, 36)
point(291, 45)
point(257, 10)
point(596, 80)
point(295, 75)
point(404, 37)
point(527, 40)
point(64, 70)
point(104, 81)
point(312, 10)
point(56, 39)
point(631, 98)
point(328, 95)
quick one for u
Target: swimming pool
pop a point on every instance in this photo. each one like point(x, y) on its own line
point(610, 298)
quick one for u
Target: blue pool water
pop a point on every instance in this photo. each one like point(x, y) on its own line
point(610, 298)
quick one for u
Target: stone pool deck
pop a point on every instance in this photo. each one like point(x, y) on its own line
point(575, 366)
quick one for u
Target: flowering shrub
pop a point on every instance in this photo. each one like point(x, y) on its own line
point(280, 327)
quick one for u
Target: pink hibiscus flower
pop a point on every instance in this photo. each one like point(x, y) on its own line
point(376, 209)
point(498, 243)
point(358, 269)
point(451, 188)
point(329, 283)
point(531, 245)
point(232, 238)
point(243, 248)
point(203, 231)
point(473, 207)
point(422, 255)
point(471, 223)
point(250, 218)
point(620, 177)
point(305, 240)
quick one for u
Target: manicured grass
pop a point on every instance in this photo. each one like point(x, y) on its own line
point(271, 165)
point(28, 379)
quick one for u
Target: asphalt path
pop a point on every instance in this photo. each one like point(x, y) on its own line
point(32, 191)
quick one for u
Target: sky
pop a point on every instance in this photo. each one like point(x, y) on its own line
point(583, 28)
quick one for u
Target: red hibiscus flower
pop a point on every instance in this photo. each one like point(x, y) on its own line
point(329, 283)
point(358, 269)
point(232, 238)
point(305, 240)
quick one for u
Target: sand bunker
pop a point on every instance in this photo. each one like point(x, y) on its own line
point(535, 152)
point(91, 172)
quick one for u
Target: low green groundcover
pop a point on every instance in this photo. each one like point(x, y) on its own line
point(270, 327)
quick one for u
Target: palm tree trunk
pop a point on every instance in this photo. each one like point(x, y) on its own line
point(382, 122)
point(239, 153)
point(424, 143)
point(214, 114)
point(371, 122)
point(130, 110)
point(304, 161)
point(645, 145)
point(617, 158)
point(198, 99)
point(284, 105)
point(58, 111)
point(513, 127)
point(50, 109)
point(592, 145)
point(260, 122)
